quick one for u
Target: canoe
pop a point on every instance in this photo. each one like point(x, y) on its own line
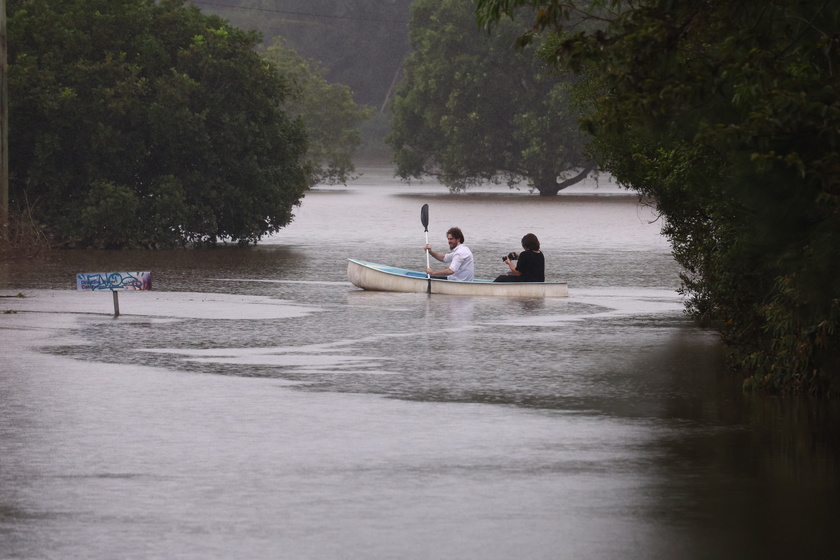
point(384, 278)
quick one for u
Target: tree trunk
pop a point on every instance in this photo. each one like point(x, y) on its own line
point(548, 185)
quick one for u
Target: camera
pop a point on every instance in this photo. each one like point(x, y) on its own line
point(511, 256)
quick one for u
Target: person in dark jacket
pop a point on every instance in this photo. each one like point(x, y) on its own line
point(530, 263)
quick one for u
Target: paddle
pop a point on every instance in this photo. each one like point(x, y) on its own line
point(424, 219)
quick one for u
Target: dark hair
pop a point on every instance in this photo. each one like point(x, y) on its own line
point(456, 233)
point(530, 242)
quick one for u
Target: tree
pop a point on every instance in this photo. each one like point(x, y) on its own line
point(728, 115)
point(144, 123)
point(471, 109)
point(328, 112)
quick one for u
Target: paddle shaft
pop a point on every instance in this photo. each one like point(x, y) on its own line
point(424, 219)
point(427, 252)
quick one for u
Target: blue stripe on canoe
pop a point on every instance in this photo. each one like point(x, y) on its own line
point(391, 269)
point(401, 271)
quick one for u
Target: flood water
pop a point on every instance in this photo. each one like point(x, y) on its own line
point(256, 405)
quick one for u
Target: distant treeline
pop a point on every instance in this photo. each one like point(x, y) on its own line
point(361, 43)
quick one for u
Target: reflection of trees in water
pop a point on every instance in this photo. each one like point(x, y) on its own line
point(772, 461)
point(799, 439)
point(787, 441)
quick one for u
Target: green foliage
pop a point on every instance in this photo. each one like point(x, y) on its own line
point(799, 349)
point(728, 115)
point(143, 123)
point(329, 115)
point(109, 213)
point(470, 109)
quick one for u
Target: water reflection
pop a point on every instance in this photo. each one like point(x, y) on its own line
point(451, 312)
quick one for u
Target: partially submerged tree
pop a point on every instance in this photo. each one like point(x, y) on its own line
point(330, 116)
point(470, 109)
point(145, 123)
point(728, 115)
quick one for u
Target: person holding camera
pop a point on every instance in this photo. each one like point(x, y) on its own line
point(460, 259)
point(530, 263)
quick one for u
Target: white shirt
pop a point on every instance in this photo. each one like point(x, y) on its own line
point(460, 261)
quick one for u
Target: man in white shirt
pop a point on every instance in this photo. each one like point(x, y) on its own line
point(460, 259)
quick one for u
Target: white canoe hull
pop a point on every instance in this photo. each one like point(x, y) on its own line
point(384, 278)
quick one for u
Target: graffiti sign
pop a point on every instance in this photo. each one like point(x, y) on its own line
point(95, 281)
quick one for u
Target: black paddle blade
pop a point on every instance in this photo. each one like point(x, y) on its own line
point(424, 216)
